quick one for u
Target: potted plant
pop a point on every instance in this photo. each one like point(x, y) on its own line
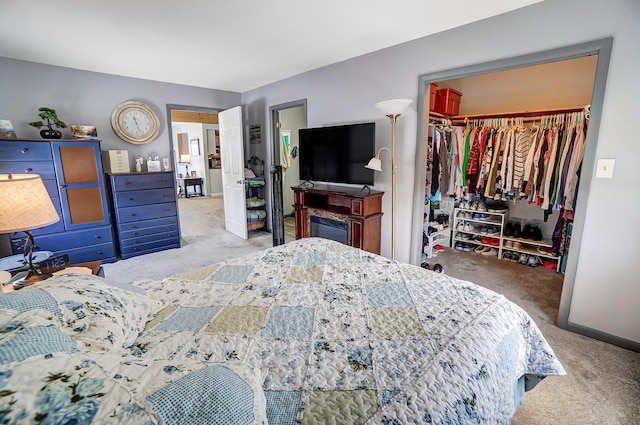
point(52, 119)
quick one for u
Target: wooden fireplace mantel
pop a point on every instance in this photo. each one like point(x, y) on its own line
point(361, 210)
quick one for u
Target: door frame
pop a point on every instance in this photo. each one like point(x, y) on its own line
point(602, 48)
point(274, 110)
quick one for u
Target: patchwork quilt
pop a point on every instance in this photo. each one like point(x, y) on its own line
point(309, 332)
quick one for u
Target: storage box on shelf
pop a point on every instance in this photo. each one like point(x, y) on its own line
point(448, 101)
point(473, 222)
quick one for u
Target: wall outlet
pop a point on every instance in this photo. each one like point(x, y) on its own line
point(604, 170)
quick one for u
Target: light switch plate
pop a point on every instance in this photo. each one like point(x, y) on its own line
point(604, 170)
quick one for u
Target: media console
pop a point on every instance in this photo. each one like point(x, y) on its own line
point(350, 216)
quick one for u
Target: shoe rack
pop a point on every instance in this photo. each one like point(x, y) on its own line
point(529, 247)
point(481, 221)
point(440, 237)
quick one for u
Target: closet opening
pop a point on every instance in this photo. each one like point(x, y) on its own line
point(546, 99)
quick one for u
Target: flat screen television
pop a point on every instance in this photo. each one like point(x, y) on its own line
point(337, 154)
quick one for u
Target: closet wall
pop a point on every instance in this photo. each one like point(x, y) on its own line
point(559, 84)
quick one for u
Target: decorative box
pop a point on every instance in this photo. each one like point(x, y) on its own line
point(116, 161)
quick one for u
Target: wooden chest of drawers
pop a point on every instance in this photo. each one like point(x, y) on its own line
point(146, 212)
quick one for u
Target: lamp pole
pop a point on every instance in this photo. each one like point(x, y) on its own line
point(393, 118)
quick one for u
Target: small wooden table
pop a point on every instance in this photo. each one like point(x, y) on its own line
point(94, 266)
point(191, 181)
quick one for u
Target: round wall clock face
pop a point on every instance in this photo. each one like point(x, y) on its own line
point(135, 122)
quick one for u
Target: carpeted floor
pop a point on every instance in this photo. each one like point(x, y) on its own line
point(603, 381)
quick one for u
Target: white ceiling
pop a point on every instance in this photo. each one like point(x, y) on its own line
point(232, 45)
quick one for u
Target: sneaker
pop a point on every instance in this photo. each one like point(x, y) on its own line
point(491, 230)
point(490, 251)
point(459, 246)
point(482, 207)
point(438, 268)
point(508, 244)
point(460, 226)
point(466, 247)
point(534, 261)
point(425, 266)
point(463, 205)
point(468, 227)
point(479, 249)
point(494, 242)
point(517, 245)
point(506, 256)
point(524, 258)
point(474, 206)
point(438, 248)
point(468, 214)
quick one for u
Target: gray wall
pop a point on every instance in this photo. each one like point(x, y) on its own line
point(607, 289)
point(88, 98)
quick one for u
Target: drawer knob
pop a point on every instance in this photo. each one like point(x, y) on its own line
point(129, 199)
point(132, 215)
point(134, 234)
point(97, 236)
point(24, 150)
point(127, 183)
point(28, 170)
point(99, 252)
point(134, 241)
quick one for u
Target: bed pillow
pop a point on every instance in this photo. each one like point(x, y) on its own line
point(65, 388)
point(98, 314)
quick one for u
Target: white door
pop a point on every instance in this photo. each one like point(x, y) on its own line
point(232, 156)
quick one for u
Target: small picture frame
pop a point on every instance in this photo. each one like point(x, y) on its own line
point(84, 132)
point(254, 133)
point(6, 130)
point(194, 147)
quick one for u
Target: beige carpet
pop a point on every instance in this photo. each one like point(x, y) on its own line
point(603, 381)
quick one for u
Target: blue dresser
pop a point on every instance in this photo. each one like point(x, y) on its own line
point(72, 173)
point(146, 212)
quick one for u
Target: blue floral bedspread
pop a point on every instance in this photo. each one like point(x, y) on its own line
point(309, 332)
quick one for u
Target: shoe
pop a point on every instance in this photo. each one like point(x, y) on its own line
point(490, 251)
point(491, 230)
point(466, 247)
point(474, 206)
point(517, 245)
point(508, 244)
point(550, 264)
point(425, 266)
point(462, 236)
point(517, 230)
point(494, 242)
point(534, 261)
point(479, 249)
point(526, 232)
point(463, 204)
point(438, 248)
point(483, 230)
point(545, 250)
point(482, 206)
point(459, 246)
point(468, 214)
point(508, 229)
point(460, 226)
point(524, 258)
point(536, 233)
point(468, 227)
point(438, 268)
point(506, 256)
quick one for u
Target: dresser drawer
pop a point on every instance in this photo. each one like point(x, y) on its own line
point(141, 240)
point(43, 168)
point(25, 151)
point(144, 197)
point(139, 225)
point(143, 181)
point(128, 234)
point(104, 252)
point(145, 212)
point(132, 251)
point(74, 239)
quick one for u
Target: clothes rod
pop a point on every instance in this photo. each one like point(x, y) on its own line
point(513, 114)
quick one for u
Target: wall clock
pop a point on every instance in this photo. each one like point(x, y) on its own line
point(135, 122)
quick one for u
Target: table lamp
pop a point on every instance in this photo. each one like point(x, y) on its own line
point(185, 159)
point(25, 205)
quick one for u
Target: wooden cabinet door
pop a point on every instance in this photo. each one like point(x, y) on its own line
point(81, 184)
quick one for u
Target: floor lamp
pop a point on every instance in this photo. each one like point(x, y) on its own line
point(391, 108)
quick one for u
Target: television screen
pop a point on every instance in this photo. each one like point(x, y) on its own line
point(337, 154)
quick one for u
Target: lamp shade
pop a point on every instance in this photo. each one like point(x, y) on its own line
point(25, 203)
point(393, 106)
point(375, 164)
point(185, 159)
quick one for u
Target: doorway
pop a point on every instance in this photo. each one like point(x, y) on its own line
point(286, 120)
point(194, 147)
point(601, 48)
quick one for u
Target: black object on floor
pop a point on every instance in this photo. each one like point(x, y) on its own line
point(438, 268)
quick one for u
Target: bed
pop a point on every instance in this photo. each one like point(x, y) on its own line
point(312, 331)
